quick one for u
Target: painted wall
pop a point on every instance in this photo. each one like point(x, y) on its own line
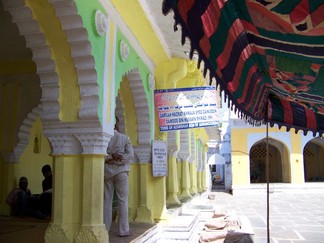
point(133, 62)
point(87, 12)
point(290, 149)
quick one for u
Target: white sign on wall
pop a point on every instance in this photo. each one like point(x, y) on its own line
point(160, 158)
point(186, 108)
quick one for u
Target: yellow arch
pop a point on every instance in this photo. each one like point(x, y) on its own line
point(131, 125)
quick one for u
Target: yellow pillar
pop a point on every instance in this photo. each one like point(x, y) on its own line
point(7, 182)
point(159, 200)
point(147, 194)
point(240, 159)
point(179, 176)
point(193, 178)
point(199, 166)
point(296, 159)
point(77, 200)
point(172, 180)
point(144, 214)
point(92, 228)
point(199, 176)
point(185, 179)
point(184, 157)
point(65, 219)
point(203, 183)
point(193, 162)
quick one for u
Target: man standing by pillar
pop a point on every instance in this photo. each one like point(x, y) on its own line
point(120, 152)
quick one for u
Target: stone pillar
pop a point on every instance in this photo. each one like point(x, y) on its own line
point(199, 176)
point(144, 214)
point(92, 228)
point(185, 179)
point(193, 178)
point(203, 177)
point(184, 156)
point(145, 187)
point(199, 169)
point(7, 182)
point(65, 217)
point(172, 179)
point(77, 212)
point(193, 163)
point(160, 211)
point(203, 181)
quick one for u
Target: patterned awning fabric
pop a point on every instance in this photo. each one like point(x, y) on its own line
point(268, 56)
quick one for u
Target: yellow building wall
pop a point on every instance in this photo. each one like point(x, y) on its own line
point(240, 157)
point(31, 161)
point(292, 163)
point(287, 167)
point(296, 158)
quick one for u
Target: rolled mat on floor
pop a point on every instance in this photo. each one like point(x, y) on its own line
point(225, 237)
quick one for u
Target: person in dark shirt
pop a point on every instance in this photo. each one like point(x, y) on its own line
point(45, 199)
point(47, 182)
point(19, 200)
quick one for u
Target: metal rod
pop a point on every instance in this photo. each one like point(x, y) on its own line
point(267, 178)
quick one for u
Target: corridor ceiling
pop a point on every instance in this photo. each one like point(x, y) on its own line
point(268, 56)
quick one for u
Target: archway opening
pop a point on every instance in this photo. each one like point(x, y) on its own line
point(313, 164)
point(278, 171)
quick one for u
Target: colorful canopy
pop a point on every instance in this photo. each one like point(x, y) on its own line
point(268, 56)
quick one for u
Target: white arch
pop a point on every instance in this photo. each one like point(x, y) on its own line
point(77, 37)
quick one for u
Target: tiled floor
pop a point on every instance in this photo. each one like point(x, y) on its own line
point(22, 230)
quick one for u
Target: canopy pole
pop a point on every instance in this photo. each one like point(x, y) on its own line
point(267, 177)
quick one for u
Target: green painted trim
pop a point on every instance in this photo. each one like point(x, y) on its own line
point(132, 62)
point(87, 10)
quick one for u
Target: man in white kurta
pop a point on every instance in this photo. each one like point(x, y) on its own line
point(120, 152)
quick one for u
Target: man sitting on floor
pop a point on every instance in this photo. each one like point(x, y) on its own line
point(20, 201)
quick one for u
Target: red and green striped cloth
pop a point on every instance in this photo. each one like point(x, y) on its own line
point(268, 56)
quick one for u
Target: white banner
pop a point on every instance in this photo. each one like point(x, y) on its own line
point(186, 108)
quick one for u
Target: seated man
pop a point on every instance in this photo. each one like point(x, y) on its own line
point(47, 182)
point(20, 201)
point(45, 199)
